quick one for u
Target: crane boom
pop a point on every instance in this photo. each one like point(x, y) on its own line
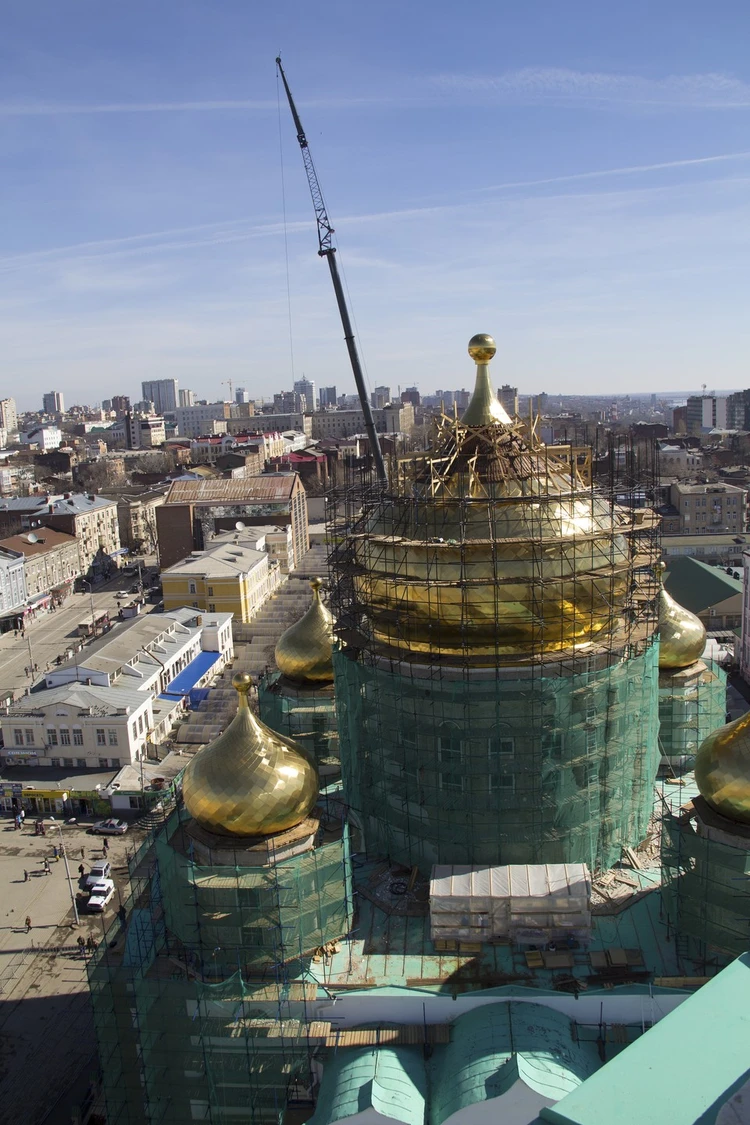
point(327, 250)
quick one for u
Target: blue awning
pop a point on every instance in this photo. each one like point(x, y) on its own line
point(184, 684)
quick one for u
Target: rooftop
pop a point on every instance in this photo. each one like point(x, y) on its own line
point(696, 585)
point(228, 560)
point(270, 487)
point(46, 539)
point(89, 699)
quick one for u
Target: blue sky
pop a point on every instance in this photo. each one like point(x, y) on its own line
point(572, 178)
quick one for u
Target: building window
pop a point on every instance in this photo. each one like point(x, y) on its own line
point(78, 738)
point(192, 589)
point(112, 737)
point(18, 737)
point(64, 736)
point(103, 763)
point(81, 763)
point(52, 737)
point(29, 736)
point(115, 763)
point(451, 777)
point(211, 607)
point(100, 738)
point(67, 762)
point(55, 763)
point(210, 591)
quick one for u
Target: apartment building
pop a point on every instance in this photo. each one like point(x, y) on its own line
point(708, 509)
point(195, 510)
point(91, 519)
point(397, 418)
point(12, 582)
point(51, 560)
point(706, 412)
point(231, 576)
point(8, 415)
point(195, 421)
point(270, 423)
point(163, 394)
point(136, 516)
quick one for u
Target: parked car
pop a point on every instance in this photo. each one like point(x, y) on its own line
point(109, 827)
point(135, 588)
point(101, 893)
point(102, 869)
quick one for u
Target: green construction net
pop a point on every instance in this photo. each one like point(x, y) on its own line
point(476, 768)
point(692, 703)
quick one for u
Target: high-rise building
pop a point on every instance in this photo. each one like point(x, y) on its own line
point(241, 395)
point(327, 397)
point(411, 394)
point(509, 398)
point(187, 397)
point(53, 403)
point(163, 394)
point(306, 389)
point(706, 412)
point(120, 404)
point(8, 415)
point(380, 397)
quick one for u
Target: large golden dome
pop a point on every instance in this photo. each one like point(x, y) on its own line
point(682, 635)
point(304, 652)
point(250, 781)
point(722, 770)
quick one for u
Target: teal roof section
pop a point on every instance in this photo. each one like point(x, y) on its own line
point(681, 1071)
point(390, 1080)
point(696, 585)
point(495, 1045)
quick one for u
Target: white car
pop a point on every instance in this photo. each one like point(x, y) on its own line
point(122, 594)
point(100, 871)
point(109, 827)
point(101, 894)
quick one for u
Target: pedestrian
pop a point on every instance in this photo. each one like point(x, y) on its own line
point(91, 944)
point(54, 851)
point(28, 922)
point(81, 870)
point(105, 846)
point(122, 915)
point(46, 866)
point(83, 853)
point(81, 943)
point(25, 876)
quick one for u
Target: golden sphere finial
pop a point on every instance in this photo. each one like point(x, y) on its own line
point(242, 682)
point(316, 583)
point(482, 348)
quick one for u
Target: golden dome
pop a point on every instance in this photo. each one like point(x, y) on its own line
point(250, 781)
point(485, 408)
point(682, 636)
point(722, 769)
point(304, 651)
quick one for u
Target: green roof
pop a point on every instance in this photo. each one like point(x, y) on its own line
point(698, 586)
point(496, 1045)
point(390, 1080)
point(681, 1071)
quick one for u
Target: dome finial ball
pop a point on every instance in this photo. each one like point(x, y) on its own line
point(482, 348)
point(242, 682)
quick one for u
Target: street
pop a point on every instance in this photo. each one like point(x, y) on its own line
point(52, 633)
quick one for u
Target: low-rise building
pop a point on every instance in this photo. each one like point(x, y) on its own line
point(231, 576)
point(397, 418)
point(92, 519)
point(12, 582)
point(194, 421)
point(44, 437)
point(136, 516)
point(724, 549)
point(195, 510)
point(707, 591)
point(709, 509)
point(676, 461)
point(51, 560)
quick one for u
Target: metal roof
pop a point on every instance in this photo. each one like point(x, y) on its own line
point(270, 486)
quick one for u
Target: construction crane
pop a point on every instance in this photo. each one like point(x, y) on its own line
point(230, 384)
point(327, 250)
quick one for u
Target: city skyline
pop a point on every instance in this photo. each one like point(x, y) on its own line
point(578, 190)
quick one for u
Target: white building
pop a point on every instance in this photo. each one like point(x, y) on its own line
point(195, 421)
point(12, 582)
point(678, 462)
point(46, 437)
point(53, 403)
point(305, 388)
point(186, 398)
point(8, 415)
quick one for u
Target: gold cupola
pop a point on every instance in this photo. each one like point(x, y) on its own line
point(250, 781)
point(485, 408)
point(722, 770)
point(682, 635)
point(304, 652)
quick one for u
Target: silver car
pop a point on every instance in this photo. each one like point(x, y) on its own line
point(109, 827)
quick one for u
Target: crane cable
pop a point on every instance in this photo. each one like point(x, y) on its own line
point(286, 236)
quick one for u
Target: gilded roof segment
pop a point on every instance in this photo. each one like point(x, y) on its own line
point(250, 781)
point(485, 408)
point(304, 651)
point(722, 769)
point(682, 635)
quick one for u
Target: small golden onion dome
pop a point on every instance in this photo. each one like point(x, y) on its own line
point(722, 770)
point(682, 635)
point(250, 781)
point(484, 409)
point(304, 651)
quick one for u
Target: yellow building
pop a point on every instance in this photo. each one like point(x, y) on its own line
point(230, 577)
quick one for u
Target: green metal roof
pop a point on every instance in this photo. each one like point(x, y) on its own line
point(681, 1071)
point(696, 585)
point(390, 1080)
point(495, 1045)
